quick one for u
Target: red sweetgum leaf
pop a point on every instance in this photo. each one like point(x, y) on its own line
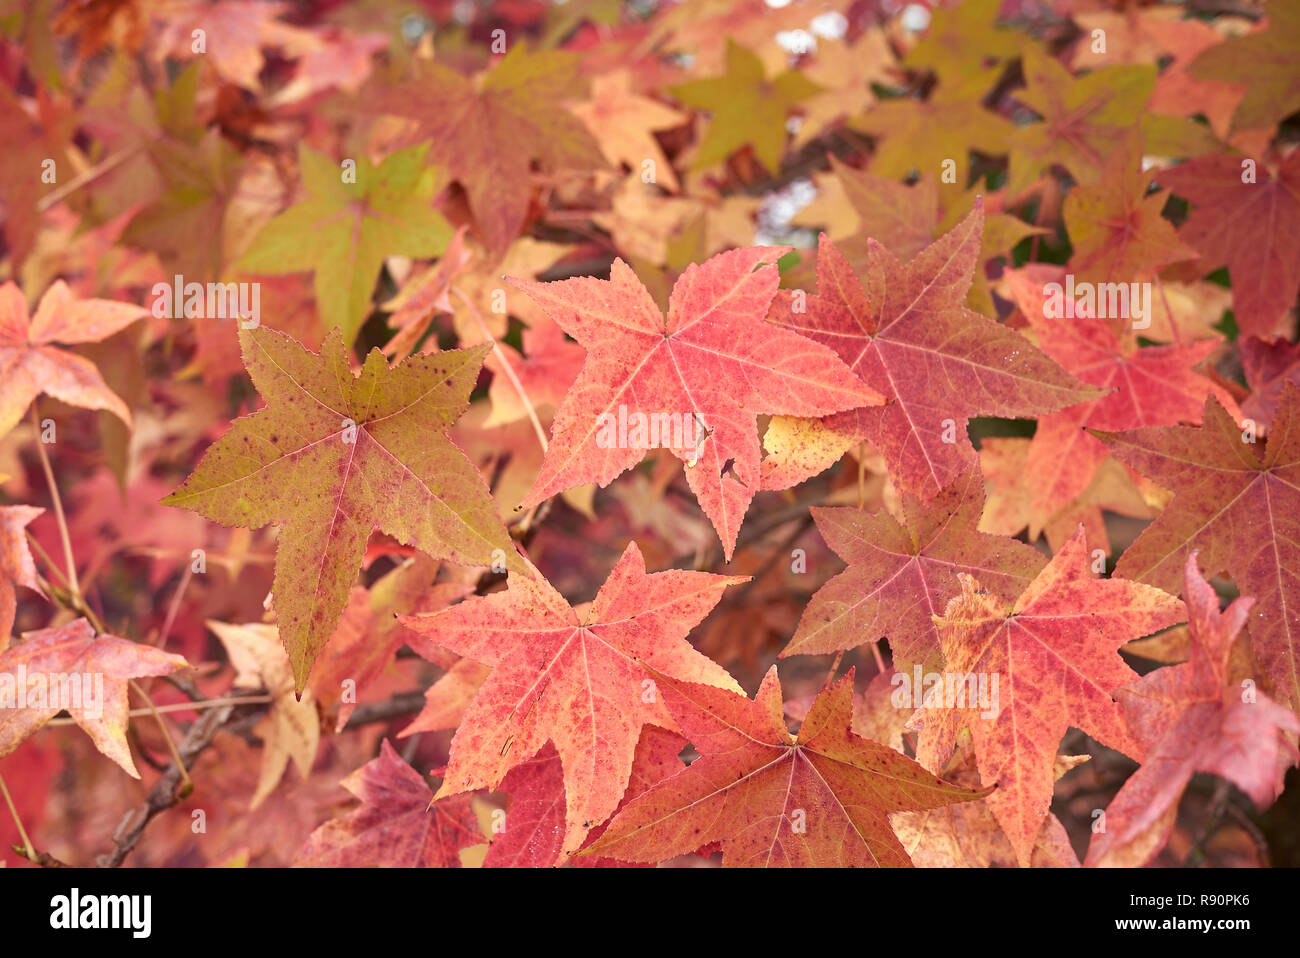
point(16, 564)
point(31, 365)
point(581, 682)
point(900, 575)
point(1055, 654)
point(1195, 719)
point(1240, 508)
point(909, 337)
point(398, 824)
point(821, 799)
point(712, 364)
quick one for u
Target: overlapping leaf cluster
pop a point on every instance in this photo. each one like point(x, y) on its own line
point(547, 359)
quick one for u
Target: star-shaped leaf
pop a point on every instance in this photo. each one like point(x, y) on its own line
point(397, 826)
point(1252, 228)
point(485, 132)
point(704, 371)
point(91, 671)
point(579, 681)
point(900, 575)
point(909, 336)
point(30, 364)
point(345, 228)
point(1264, 63)
point(1238, 505)
point(1195, 719)
point(335, 455)
point(1054, 653)
point(747, 108)
point(772, 799)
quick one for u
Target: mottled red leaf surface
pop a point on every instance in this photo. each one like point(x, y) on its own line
point(1240, 506)
point(901, 574)
point(398, 824)
point(485, 131)
point(30, 364)
point(909, 337)
point(72, 660)
point(707, 368)
point(1055, 654)
point(1145, 386)
point(581, 682)
point(1194, 718)
point(533, 832)
point(773, 799)
point(1252, 228)
point(335, 455)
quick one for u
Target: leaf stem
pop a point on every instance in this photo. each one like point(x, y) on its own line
point(73, 584)
point(13, 811)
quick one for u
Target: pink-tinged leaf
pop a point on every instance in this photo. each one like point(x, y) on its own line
point(1194, 719)
point(398, 824)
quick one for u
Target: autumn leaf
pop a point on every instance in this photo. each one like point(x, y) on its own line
point(1054, 651)
point(711, 366)
point(64, 667)
point(30, 364)
point(397, 826)
point(485, 132)
point(534, 824)
point(16, 564)
point(772, 799)
point(1083, 118)
point(1195, 719)
point(581, 682)
point(909, 337)
point(1115, 226)
point(623, 123)
point(291, 730)
point(1146, 386)
point(346, 227)
point(1253, 228)
point(901, 574)
point(335, 455)
point(1239, 507)
point(1262, 62)
point(747, 108)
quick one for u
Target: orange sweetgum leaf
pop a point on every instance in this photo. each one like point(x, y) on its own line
point(398, 824)
point(1238, 505)
point(708, 368)
point(1055, 655)
point(772, 799)
point(909, 337)
point(30, 364)
point(71, 657)
point(1194, 719)
point(334, 455)
point(900, 575)
point(583, 682)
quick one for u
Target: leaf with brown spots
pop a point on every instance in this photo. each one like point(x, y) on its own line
point(335, 455)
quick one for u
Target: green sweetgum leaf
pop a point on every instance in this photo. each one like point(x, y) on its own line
point(343, 231)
